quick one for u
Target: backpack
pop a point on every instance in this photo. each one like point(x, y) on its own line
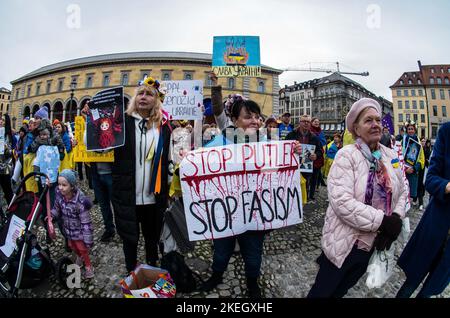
point(182, 275)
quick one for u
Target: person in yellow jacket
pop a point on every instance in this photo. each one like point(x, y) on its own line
point(330, 152)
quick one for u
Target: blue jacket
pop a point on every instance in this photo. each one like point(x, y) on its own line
point(432, 232)
point(29, 138)
point(67, 143)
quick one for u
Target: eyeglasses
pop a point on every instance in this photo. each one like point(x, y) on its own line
point(305, 121)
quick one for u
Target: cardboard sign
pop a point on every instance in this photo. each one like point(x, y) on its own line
point(236, 56)
point(231, 189)
point(184, 99)
point(79, 151)
point(105, 124)
point(398, 149)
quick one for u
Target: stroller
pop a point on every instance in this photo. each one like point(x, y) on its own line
point(24, 263)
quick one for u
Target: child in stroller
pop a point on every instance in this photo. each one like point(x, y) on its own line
point(23, 262)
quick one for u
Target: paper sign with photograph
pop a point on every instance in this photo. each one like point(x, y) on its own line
point(412, 152)
point(105, 123)
point(306, 164)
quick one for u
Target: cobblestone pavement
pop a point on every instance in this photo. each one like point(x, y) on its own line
point(288, 268)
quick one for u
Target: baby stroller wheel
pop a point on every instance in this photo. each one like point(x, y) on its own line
point(61, 270)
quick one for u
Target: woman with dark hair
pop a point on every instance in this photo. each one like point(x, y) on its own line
point(412, 172)
point(6, 157)
point(245, 116)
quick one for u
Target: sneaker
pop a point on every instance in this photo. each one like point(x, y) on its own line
point(421, 208)
point(414, 203)
point(107, 236)
point(89, 273)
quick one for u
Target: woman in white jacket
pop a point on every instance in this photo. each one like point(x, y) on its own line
point(367, 198)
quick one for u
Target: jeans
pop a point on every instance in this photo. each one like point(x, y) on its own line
point(333, 282)
point(102, 184)
point(251, 248)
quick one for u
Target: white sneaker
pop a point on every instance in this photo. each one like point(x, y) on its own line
point(421, 208)
point(414, 203)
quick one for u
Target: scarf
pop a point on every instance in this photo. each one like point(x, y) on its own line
point(379, 187)
point(316, 130)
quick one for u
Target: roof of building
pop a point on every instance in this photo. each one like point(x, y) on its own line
point(335, 77)
point(408, 79)
point(127, 57)
point(5, 90)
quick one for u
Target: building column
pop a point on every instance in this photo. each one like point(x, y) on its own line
point(64, 115)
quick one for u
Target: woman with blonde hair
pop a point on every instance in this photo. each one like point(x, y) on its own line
point(140, 173)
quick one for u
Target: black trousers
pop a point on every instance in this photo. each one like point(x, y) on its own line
point(333, 282)
point(150, 220)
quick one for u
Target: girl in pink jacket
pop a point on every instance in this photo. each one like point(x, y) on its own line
point(367, 198)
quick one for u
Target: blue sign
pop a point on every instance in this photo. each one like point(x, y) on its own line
point(235, 56)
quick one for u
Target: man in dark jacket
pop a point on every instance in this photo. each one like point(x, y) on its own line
point(304, 136)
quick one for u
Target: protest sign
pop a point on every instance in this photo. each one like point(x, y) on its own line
point(80, 153)
point(183, 99)
point(236, 56)
point(105, 124)
point(306, 164)
point(2, 140)
point(401, 164)
point(231, 189)
point(412, 152)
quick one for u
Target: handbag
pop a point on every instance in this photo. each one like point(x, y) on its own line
point(380, 267)
point(6, 167)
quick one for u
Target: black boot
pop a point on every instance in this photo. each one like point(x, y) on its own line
point(253, 289)
point(212, 282)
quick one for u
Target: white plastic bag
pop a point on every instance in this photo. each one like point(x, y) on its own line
point(404, 234)
point(380, 267)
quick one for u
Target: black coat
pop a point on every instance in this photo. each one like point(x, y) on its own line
point(311, 140)
point(124, 181)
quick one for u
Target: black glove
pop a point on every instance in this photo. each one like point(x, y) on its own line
point(382, 242)
point(391, 226)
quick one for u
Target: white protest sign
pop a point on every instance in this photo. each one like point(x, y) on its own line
point(231, 189)
point(2, 140)
point(183, 99)
point(16, 228)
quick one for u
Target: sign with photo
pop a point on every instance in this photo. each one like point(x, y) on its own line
point(236, 56)
point(306, 164)
point(105, 124)
point(412, 152)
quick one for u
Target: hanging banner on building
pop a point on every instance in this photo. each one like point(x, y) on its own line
point(184, 99)
point(80, 153)
point(232, 189)
point(105, 123)
point(236, 56)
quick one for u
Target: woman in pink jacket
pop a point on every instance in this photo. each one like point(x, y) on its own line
point(367, 198)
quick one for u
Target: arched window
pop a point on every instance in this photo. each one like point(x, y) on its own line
point(409, 82)
point(446, 81)
point(401, 82)
point(439, 80)
point(261, 87)
point(231, 82)
point(431, 80)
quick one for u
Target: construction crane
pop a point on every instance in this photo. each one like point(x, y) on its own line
point(312, 69)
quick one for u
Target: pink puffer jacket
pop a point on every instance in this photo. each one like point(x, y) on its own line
point(348, 218)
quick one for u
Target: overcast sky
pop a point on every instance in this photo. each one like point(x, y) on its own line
point(384, 38)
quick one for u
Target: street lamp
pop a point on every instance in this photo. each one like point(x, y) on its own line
point(73, 85)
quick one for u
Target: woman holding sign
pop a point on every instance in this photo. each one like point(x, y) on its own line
point(245, 115)
point(415, 160)
point(367, 201)
point(140, 173)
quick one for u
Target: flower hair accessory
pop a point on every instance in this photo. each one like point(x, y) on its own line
point(231, 100)
point(150, 81)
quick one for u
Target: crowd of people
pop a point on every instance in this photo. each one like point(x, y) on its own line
point(367, 189)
